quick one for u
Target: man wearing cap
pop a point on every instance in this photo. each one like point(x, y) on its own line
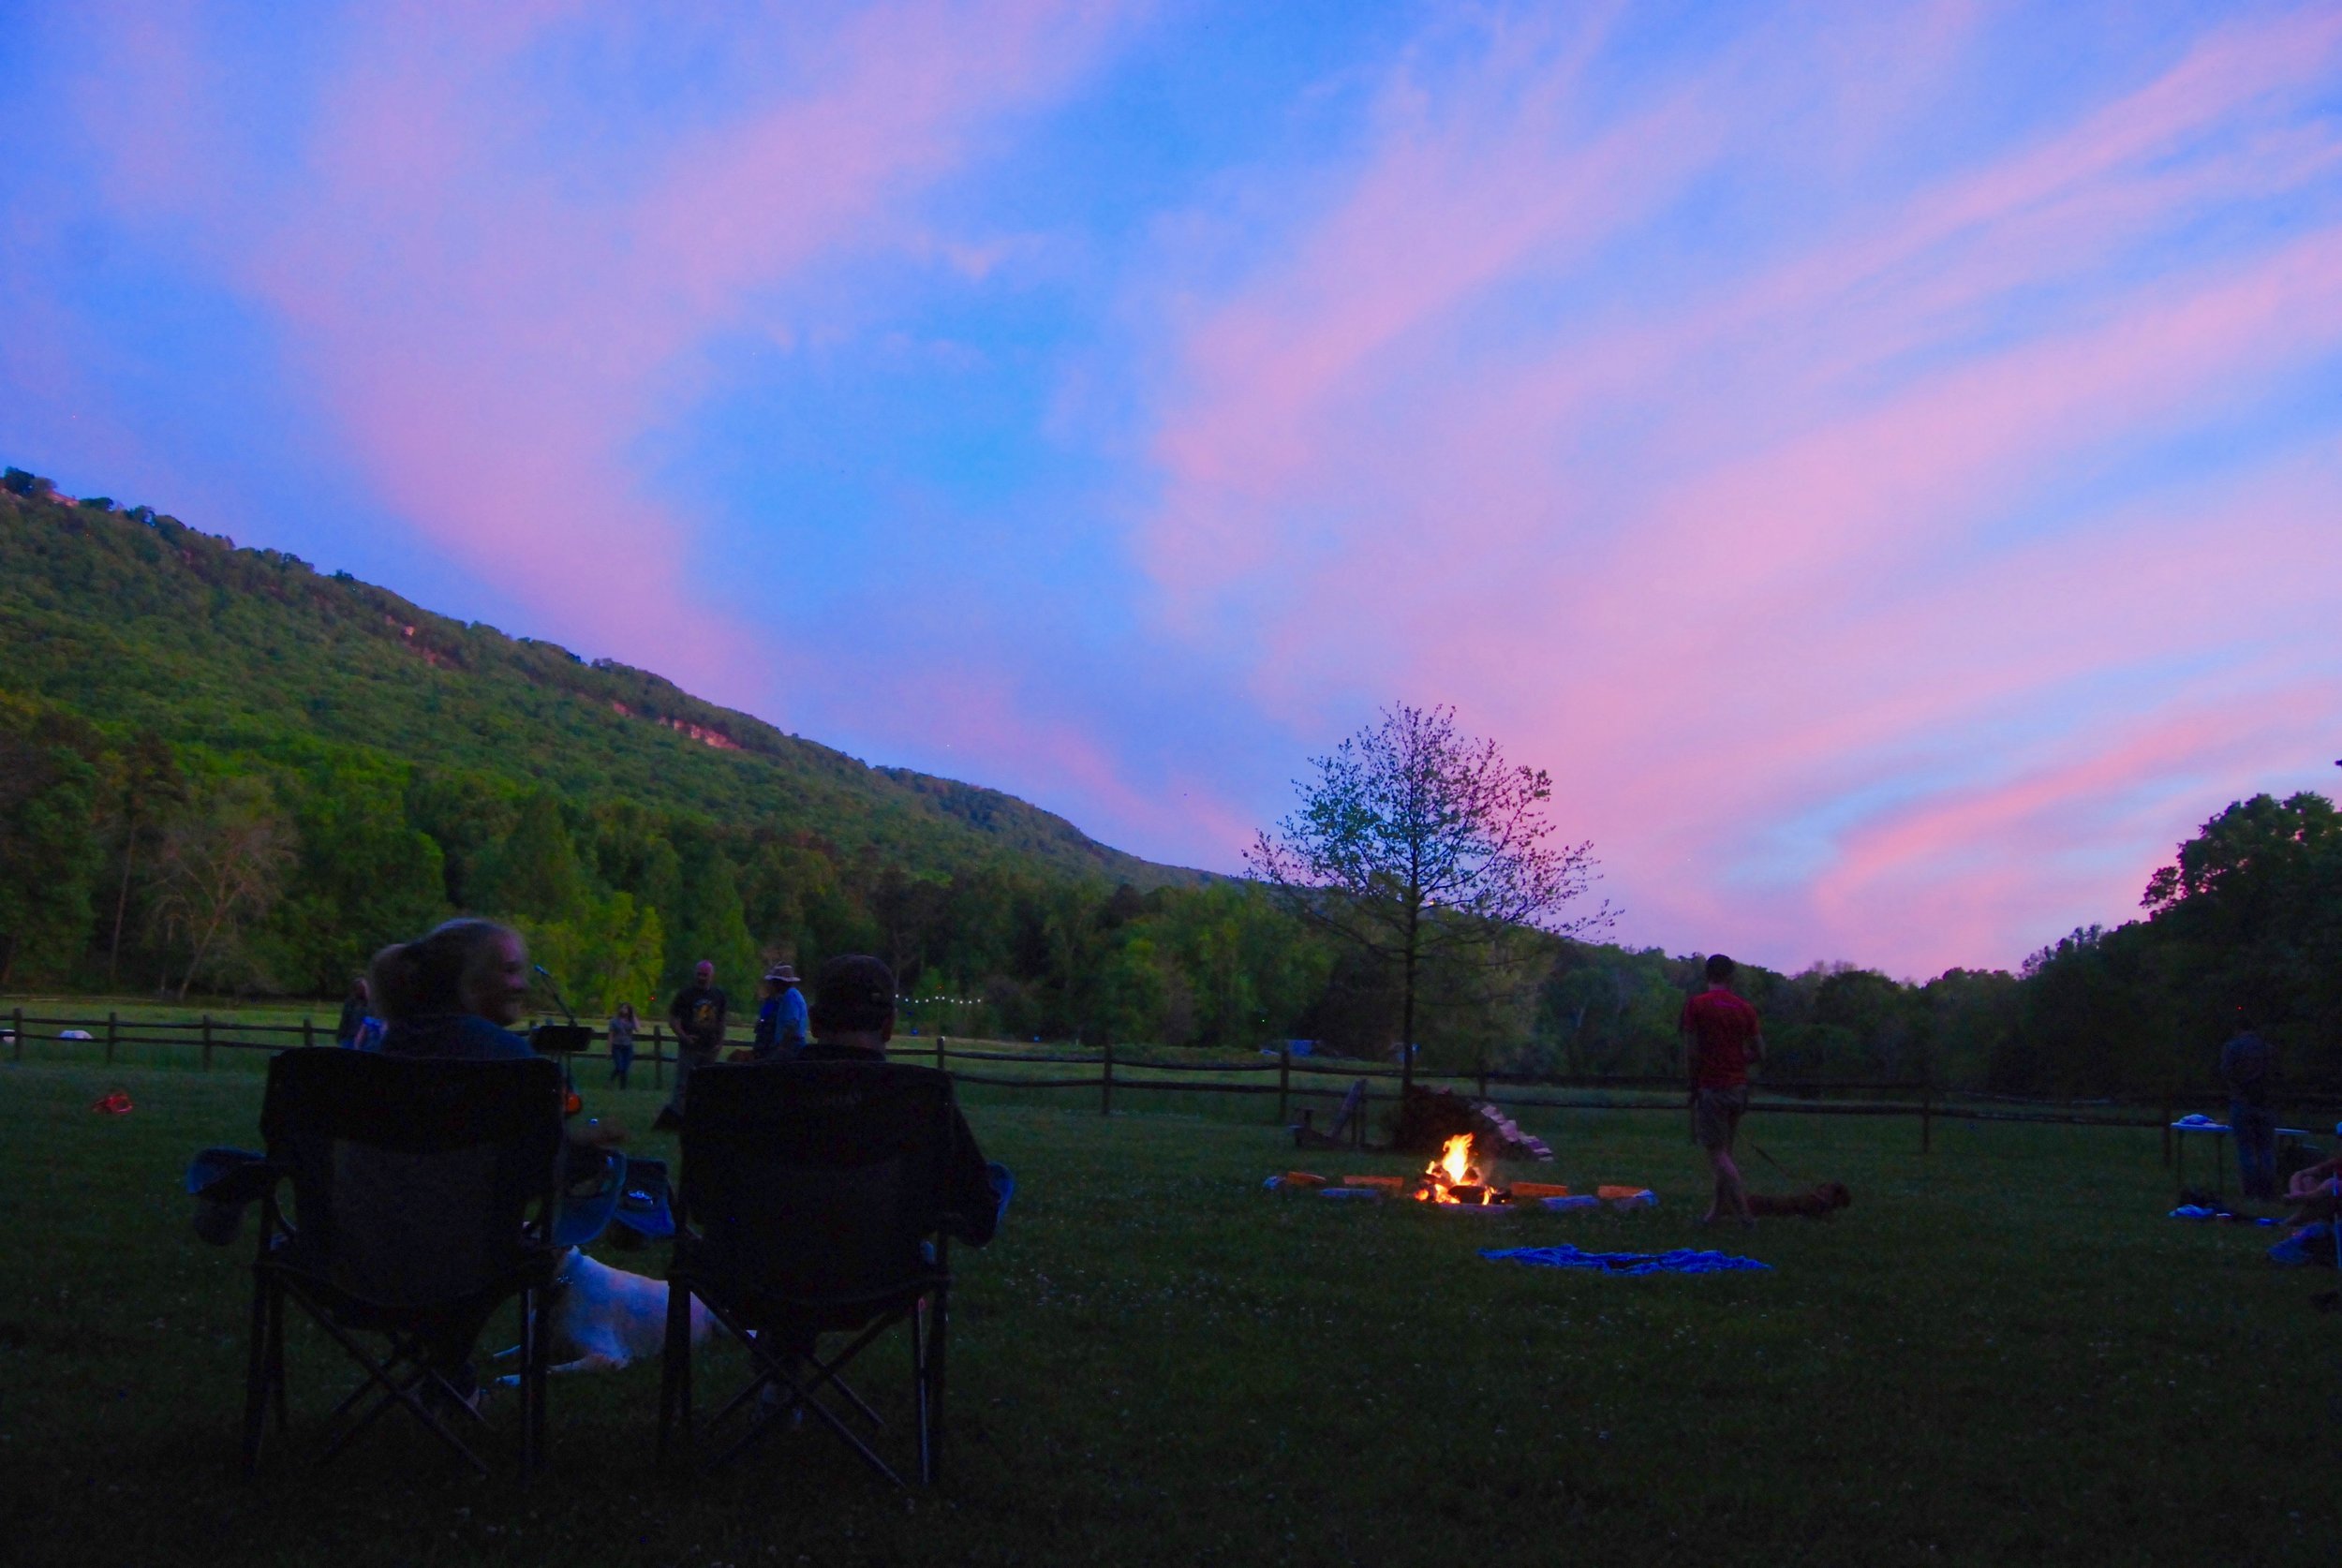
point(781, 1021)
point(854, 1018)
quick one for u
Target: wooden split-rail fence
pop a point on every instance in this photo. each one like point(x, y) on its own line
point(1291, 1078)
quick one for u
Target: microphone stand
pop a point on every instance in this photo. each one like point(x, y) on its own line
point(568, 1084)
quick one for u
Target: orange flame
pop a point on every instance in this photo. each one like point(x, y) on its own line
point(1452, 1169)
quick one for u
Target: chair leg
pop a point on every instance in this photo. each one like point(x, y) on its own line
point(931, 1390)
point(919, 1390)
point(260, 1369)
point(277, 1354)
point(536, 1342)
point(528, 1388)
point(674, 1373)
point(401, 1393)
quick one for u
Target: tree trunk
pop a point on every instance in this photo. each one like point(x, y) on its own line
point(202, 951)
point(121, 902)
point(1406, 1010)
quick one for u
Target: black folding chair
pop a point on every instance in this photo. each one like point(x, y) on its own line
point(812, 1197)
point(423, 1197)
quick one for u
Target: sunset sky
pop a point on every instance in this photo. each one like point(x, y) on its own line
point(1884, 460)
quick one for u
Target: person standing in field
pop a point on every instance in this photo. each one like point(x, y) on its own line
point(622, 1027)
point(699, 1014)
point(2249, 1068)
point(356, 1006)
point(1721, 1032)
point(780, 1023)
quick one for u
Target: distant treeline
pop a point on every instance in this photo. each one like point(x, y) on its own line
point(136, 866)
point(222, 773)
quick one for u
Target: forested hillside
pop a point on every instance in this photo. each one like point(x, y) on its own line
point(221, 772)
point(146, 623)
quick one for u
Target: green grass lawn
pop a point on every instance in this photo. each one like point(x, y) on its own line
point(2003, 1353)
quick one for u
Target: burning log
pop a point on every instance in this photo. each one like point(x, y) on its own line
point(1453, 1179)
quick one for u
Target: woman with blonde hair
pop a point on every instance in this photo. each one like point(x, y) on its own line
point(454, 992)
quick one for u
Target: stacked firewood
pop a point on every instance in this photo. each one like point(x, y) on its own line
point(1428, 1118)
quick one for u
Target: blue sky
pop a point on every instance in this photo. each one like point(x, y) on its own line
point(1882, 461)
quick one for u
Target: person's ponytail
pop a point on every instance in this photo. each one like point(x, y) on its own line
point(393, 980)
point(413, 980)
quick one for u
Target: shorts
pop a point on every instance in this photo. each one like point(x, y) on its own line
point(1716, 1115)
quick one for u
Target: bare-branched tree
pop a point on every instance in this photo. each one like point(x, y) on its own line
point(1418, 844)
point(220, 868)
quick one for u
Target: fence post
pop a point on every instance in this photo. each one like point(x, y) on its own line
point(658, 1057)
point(112, 1033)
point(2168, 1095)
point(1927, 1115)
point(1106, 1083)
point(1284, 1078)
point(1484, 1076)
point(17, 1033)
point(938, 1054)
point(207, 1042)
point(309, 1032)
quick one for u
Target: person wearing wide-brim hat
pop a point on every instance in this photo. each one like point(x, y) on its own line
point(780, 1022)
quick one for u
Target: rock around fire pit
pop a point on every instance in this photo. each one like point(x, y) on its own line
point(1458, 1180)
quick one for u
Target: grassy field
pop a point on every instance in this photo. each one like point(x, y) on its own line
point(2002, 1353)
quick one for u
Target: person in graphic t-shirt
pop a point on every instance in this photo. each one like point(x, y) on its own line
point(1724, 1041)
point(699, 1012)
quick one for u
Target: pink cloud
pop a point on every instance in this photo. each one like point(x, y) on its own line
point(1788, 595)
point(498, 317)
point(1974, 861)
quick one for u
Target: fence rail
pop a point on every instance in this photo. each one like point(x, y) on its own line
point(1143, 1074)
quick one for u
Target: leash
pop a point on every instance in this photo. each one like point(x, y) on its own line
point(1774, 1164)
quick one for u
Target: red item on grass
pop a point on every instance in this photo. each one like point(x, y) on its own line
point(115, 1104)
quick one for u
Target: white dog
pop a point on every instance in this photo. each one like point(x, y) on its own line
point(604, 1317)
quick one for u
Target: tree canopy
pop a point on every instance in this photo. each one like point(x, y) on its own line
point(1415, 845)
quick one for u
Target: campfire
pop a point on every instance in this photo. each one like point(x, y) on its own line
point(1453, 1178)
point(1463, 1178)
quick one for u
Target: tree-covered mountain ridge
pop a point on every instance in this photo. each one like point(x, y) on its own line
point(135, 620)
point(223, 771)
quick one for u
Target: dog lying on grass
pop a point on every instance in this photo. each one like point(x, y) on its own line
point(604, 1318)
point(1820, 1204)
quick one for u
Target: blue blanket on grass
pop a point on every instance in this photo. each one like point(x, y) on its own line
point(1681, 1260)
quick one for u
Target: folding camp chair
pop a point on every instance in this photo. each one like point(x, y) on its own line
point(811, 1201)
point(423, 1196)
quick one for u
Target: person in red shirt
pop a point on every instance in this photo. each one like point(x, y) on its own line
point(1724, 1041)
